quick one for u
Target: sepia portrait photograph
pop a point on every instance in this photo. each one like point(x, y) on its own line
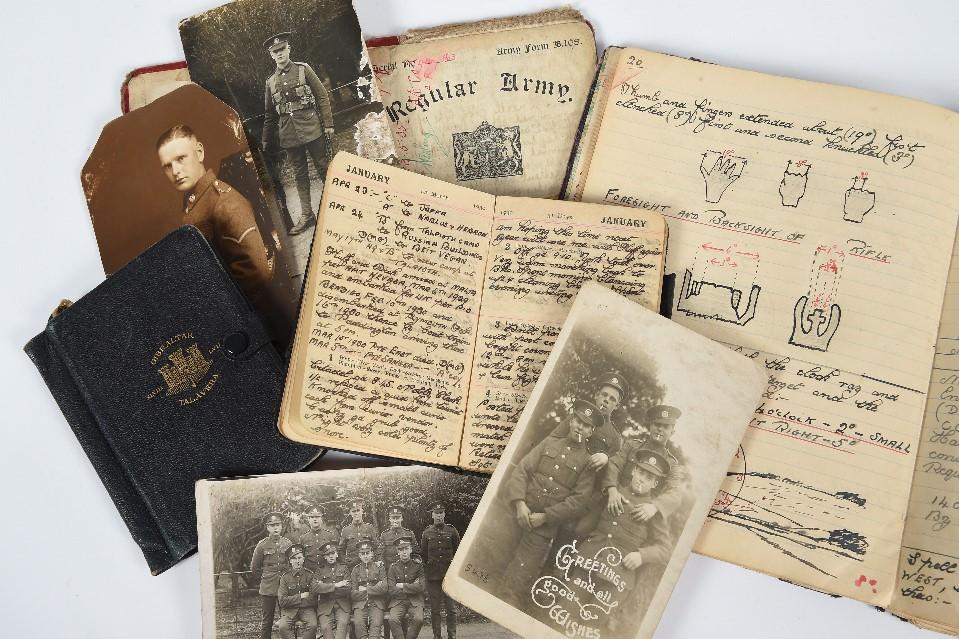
point(183, 159)
point(298, 74)
point(609, 474)
point(359, 553)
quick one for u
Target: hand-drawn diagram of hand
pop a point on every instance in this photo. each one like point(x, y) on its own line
point(859, 201)
point(793, 185)
point(725, 169)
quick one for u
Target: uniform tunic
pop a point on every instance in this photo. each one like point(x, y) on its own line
point(650, 538)
point(671, 497)
point(294, 114)
point(388, 540)
point(294, 606)
point(408, 599)
point(350, 538)
point(269, 559)
point(293, 583)
point(368, 605)
point(439, 545)
point(227, 221)
point(312, 541)
point(332, 603)
point(552, 479)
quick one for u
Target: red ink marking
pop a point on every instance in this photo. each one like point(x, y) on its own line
point(829, 265)
point(863, 579)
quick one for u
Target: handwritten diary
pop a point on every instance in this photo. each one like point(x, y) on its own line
point(430, 309)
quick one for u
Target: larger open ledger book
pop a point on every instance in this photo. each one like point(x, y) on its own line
point(812, 228)
point(430, 309)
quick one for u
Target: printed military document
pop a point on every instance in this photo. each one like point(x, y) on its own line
point(298, 74)
point(430, 309)
point(183, 159)
point(812, 227)
point(576, 539)
point(493, 105)
point(324, 554)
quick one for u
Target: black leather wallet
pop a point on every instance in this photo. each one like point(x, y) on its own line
point(167, 376)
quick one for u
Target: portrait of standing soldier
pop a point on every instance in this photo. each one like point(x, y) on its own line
point(388, 547)
point(296, 598)
point(298, 120)
point(315, 537)
point(549, 486)
point(353, 533)
point(224, 217)
point(369, 593)
point(405, 581)
point(268, 562)
point(331, 583)
point(439, 544)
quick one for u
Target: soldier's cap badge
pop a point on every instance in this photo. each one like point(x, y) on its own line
point(294, 550)
point(328, 548)
point(663, 414)
point(277, 38)
point(652, 461)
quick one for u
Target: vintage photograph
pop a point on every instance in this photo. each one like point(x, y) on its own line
point(183, 159)
point(325, 554)
point(592, 503)
point(298, 74)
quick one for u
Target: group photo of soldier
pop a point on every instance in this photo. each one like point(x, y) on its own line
point(359, 554)
point(301, 98)
point(184, 159)
point(599, 474)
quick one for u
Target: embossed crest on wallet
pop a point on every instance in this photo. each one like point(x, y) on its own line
point(167, 376)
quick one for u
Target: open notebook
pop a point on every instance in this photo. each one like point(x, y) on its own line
point(812, 227)
point(429, 309)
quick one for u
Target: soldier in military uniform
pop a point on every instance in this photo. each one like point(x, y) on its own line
point(296, 597)
point(315, 537)
point(405, 580)
point(269, 560)
point(224, 216)
point(549, 486)
point(660, 421)
point(643, 544)
point(611, 392)
point(369, 593)
point(440, 542)
point(298, 119)
point(331, 584)
point(388, 549)
point(353, 533)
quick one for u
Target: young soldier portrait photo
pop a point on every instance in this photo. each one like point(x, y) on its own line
point(183, 159)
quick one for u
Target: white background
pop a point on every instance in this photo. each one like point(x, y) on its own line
point(69, 567)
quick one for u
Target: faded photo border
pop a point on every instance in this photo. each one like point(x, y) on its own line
point(717, 391)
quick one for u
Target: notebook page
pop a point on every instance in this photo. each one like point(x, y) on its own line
point(811, 228)
point(541, 253)
point(928, 585)
point(384, 344)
